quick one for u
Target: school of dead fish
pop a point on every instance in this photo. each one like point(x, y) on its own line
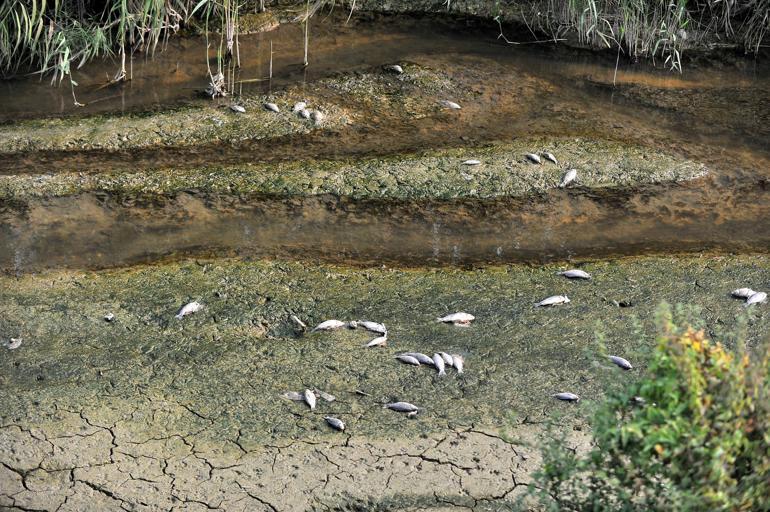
point(440, 361)
point(300, 109)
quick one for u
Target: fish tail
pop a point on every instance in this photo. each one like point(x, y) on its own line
point(178, 316)
point(441, 373)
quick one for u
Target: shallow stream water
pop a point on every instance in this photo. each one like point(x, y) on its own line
point(719, 116)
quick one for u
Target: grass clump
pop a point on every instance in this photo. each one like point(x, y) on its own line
point(700, 441)
point(654, 28)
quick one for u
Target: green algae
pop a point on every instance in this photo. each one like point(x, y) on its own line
point(231, 362)
point(341, 99)
point(504, 172)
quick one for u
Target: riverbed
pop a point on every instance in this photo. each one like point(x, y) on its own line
point(116, 214)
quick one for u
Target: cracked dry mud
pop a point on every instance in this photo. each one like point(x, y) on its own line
point(152, 413)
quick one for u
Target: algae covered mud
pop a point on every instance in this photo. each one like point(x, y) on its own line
point(388, 207)
point(150, 412)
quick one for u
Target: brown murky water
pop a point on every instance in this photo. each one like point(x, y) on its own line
point(718, 116)
point(98, 231)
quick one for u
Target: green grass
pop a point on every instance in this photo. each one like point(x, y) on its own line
point(51, 36)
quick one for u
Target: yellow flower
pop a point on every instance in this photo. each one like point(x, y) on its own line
point(659, 448)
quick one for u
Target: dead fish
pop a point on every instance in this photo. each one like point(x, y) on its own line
point(293, 395)
point(438, 361)
point(422, 358)
point(300, 323)
point(189, 309)
point(553, 300)
point(756, 298)
point(457, 319)
point(569, 177)
point(372, 326)
point(328, 325)
point(450, 104)
point(395, 68)
point(743, 293)
point(379, 341)
point(14, 343)
point(408, 359)
point(472, 162)
point(401, 407)
point(550, 158)
point(535, 159)
point(411, 414)
point(272, 107)
point(310, 399)
point(459, 362)
point(304, 114)
point(447, 358)
point(567, 397)
point(237, 109)
point(623, 363)
point(575, 274)
point(109, 317)
point(335, 423)
point(637, 400)
point(300, 105)
point(324, 395)
point(317, 116)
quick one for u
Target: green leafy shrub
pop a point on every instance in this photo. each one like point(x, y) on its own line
point(700, 440)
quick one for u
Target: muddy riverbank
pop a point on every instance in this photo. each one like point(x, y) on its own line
point(150, 196)
point(151, 412)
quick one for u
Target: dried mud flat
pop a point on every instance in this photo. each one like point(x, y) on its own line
point(148, 412)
